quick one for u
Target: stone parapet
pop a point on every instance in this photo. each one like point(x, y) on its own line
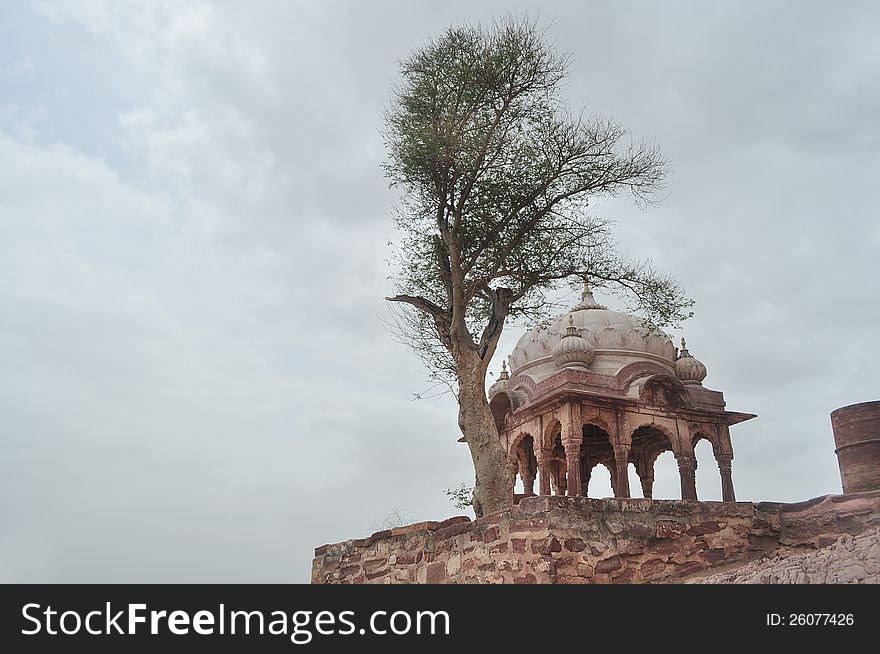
point(555, 539)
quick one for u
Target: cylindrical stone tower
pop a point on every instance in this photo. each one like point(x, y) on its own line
point(857, 437)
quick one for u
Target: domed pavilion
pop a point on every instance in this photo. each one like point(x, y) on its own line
point(598, 387)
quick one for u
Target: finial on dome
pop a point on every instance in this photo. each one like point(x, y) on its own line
point(571, 330)
point(683, 352)
point(587, 299)
point(501, 384)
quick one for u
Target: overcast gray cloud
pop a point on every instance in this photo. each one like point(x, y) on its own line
point(198, 385)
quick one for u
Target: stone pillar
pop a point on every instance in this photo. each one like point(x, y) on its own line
point(687, 467)
point(573, 464)
point(621, 463)
point(612, 472)
point(572, 436)
point(528, 485)
point(647, 484)
point(724, 467)
point(543, 457)
point(644, 461)
point(586, 472)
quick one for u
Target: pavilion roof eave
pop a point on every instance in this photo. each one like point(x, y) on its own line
point(736, 417)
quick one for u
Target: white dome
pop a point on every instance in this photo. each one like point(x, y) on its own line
point(617, 339)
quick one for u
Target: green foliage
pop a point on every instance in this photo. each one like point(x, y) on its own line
point(461, 497)
point(497, 177)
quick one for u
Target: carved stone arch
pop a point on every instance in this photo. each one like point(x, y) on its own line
point(638, 370)
point(595, 416)
point(587, 472)
point(523, 385)
point(672, 439)
point(517, 439)
point(501, 408)
point(608, 465)
point(596, 441)
point(552, 425)
point(522, 453)
point(665, 392)
point(699, 433)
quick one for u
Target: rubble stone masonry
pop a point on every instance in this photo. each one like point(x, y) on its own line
point(557, 539)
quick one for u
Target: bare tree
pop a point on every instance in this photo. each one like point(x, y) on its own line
point(496, 175)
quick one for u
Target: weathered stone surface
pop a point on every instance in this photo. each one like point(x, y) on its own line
point(701, 528)
point(850, 559)
point(608, 564)
point(581, 540)
point(455, 520)
point(652, 567)
point(546, 546)
point(670, 529)
point(452, 531)
point(538, 524)
point(436, 573)
point(639, 530)
point(712, 556)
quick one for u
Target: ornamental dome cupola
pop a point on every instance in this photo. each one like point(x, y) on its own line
point(688, 369)
point(589, 334)
point(502, 382)
point(572, 350)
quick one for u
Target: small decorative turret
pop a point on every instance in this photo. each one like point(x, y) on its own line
point(572, 351)
point(688, 369)
point(587, 299)
point(501, 384)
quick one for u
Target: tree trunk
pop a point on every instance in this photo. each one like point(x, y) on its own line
point(494, 470)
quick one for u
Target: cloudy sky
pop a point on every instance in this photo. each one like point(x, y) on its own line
point(197, 383)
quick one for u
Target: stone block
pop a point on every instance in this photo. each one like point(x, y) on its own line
point(585, 570)
point(436, 573)
point(702, 528)
point(638, 530)
point(628, 546)
point(455, 520)
point(670, 529)
point(452, 530)
point(652, 567)
point(546, 546)
point(608, 564)
point(536, 524)
point(713, 557)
